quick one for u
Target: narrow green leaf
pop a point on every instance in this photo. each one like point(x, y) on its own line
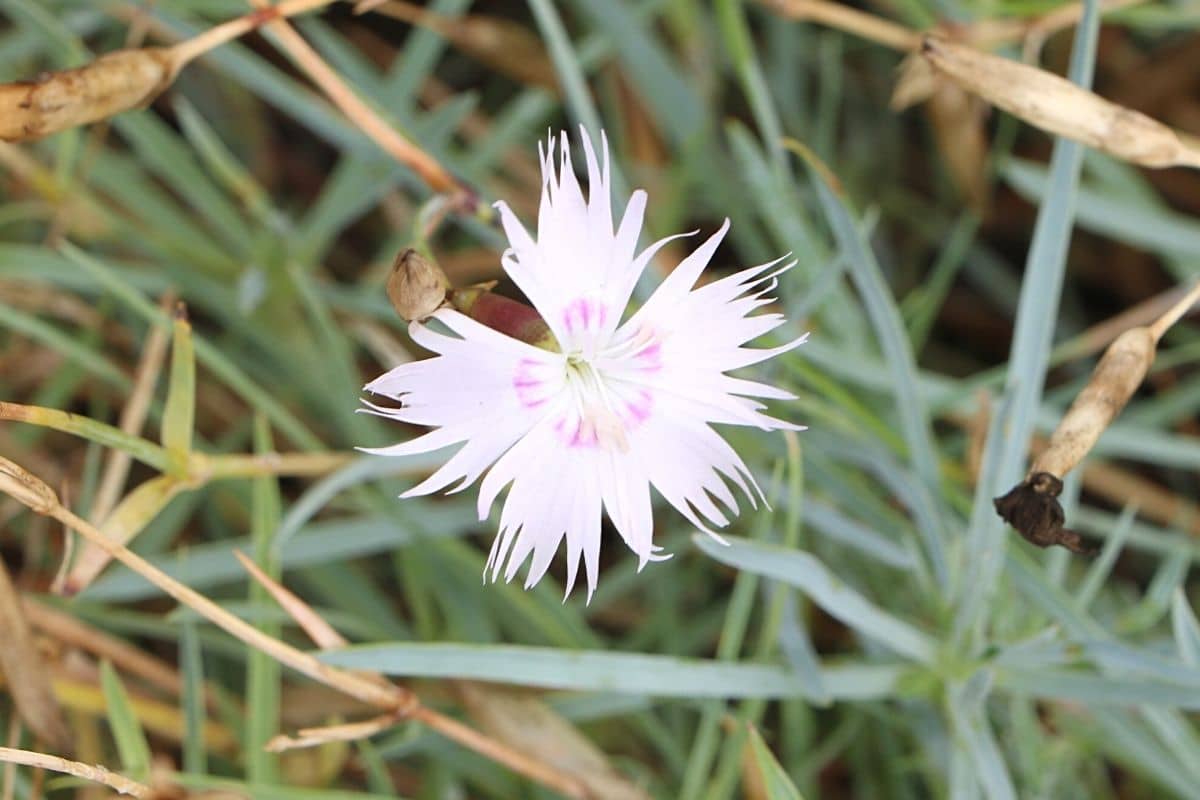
point(263, 673)
point(192, 699)
point(1037, 313)
point(1186, 628)
point(973, 733)
point(566, 63)
point(622, 673)
point(132, 747)
point(100, 433)
point(1101, 568)
point(179, 412)
point(897, 351)
point(826, 589)
point(774, 779)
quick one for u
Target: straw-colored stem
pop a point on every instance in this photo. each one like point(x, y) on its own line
point(206, 467)
point(1163, 323)
point(346, 682)
point(325, 636)
point(133, 415)
point(89, 772)
point(362, 115)
point(218, 35)
point(70, 631)
point(850, 20)
point(515, 760)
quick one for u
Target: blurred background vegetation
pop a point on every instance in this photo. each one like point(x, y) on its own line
point(877, 634)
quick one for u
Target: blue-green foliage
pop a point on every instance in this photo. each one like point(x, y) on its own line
point(879, 617)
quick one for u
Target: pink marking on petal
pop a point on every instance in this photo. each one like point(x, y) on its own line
point(649, 358)
point(584, 314)
point(531, 390)
point(640, 409)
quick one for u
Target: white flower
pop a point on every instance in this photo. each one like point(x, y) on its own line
point(624, 406)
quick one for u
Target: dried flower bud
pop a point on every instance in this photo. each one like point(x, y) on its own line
point(417, 286)
point(1054, 104)
point(1032, 508)
point(55, 101)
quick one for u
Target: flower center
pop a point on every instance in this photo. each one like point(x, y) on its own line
point(595, 422)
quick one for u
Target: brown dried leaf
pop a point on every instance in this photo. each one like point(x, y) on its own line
point(1054, 104)
point(957, 118)
point(27, 678)
point(915, 84)
point(529, 725)
point(55, 101)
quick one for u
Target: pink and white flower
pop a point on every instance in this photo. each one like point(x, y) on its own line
point(624, 405)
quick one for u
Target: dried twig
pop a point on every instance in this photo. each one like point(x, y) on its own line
point(850, 20)
point(362, 115)
point(133, 415)
point(325, 636)
point(39, 497)
point(92, 773)
point(71, 631)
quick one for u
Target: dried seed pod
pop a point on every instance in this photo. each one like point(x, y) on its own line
point(1032, 506)
point(55, 101)
point(417, 286)
point(1113, 382)
point(1054, 104)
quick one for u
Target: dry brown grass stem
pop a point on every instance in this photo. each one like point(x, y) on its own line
point(358, 112)
point(984, 33)
point(313, 624)
point(89, 772)
point(1175, 313)
point(228, 31)
point(70, 631)
point(370, 688)
point(39, 497)
point(850, 20)
point(133, 415)
point(325, 636)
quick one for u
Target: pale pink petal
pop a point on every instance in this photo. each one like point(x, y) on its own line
point(575, 435)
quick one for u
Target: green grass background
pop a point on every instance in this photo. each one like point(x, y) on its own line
point(880, 625)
